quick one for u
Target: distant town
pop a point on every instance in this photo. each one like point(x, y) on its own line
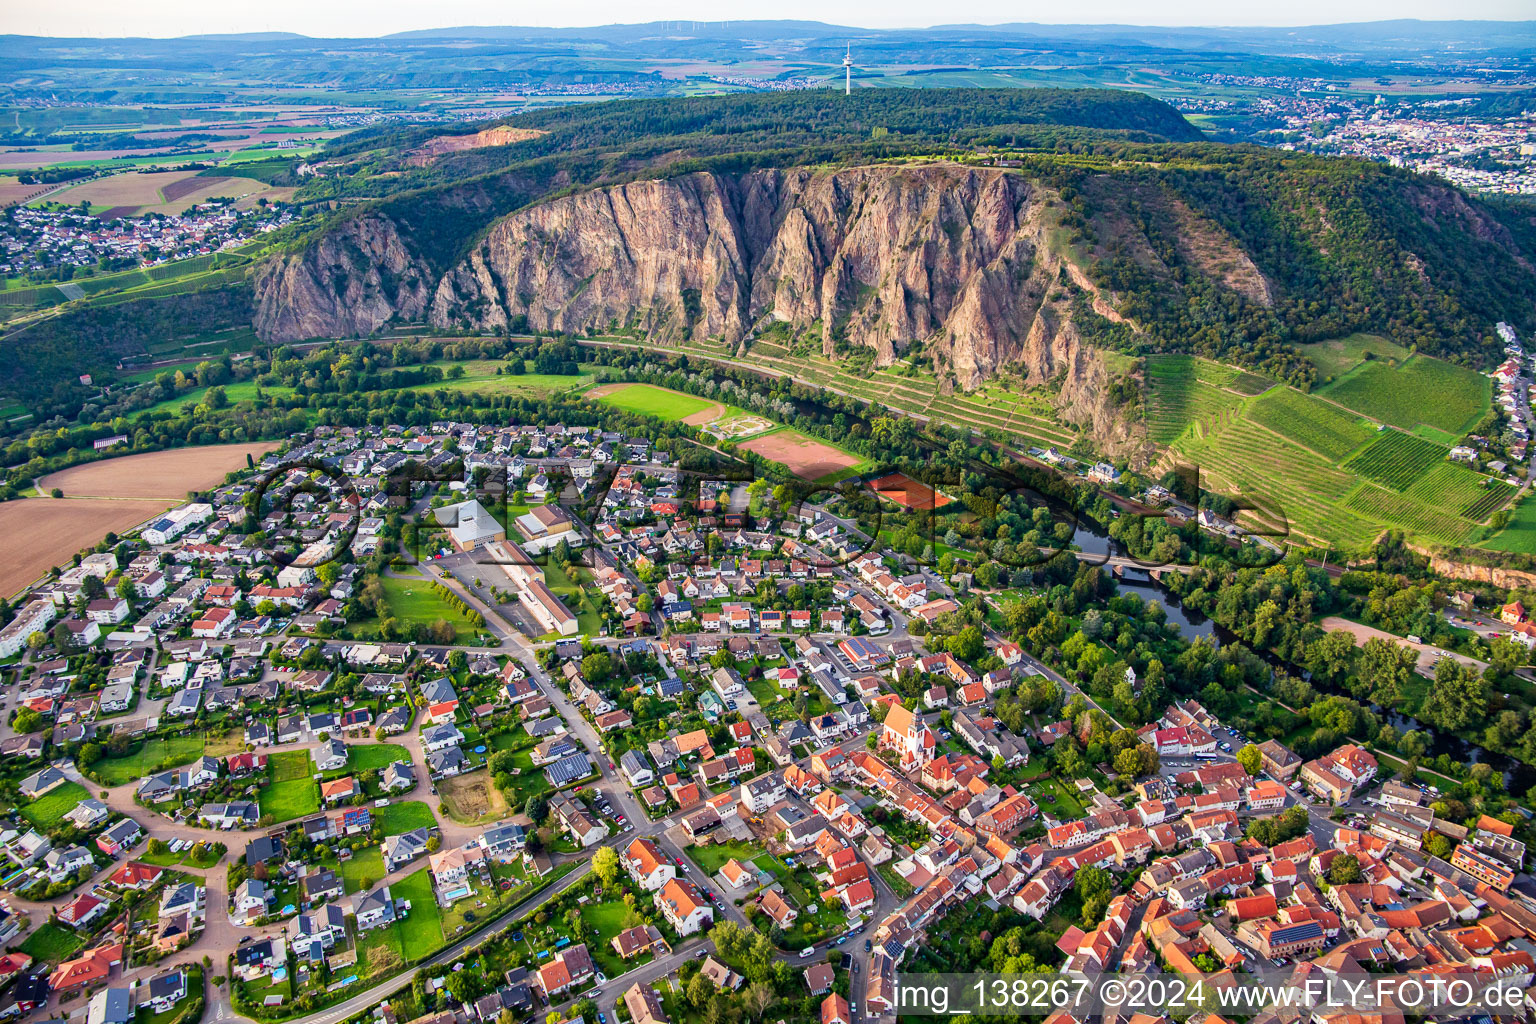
point(40, 240)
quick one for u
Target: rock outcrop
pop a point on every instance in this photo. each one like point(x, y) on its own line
point(879, 257)
point(353, 281)
point(972, 262)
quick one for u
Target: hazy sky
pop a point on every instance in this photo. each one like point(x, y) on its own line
point(381, 17)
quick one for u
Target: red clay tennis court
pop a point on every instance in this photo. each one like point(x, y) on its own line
point(908, 493)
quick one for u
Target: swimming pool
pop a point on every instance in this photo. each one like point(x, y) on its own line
point(457, 894)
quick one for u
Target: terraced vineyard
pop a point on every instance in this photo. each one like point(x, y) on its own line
point(1024, 419)
point(1398, 511)
point(1489, 503)
point(1298, 460)
point(1448, 486)
point(1422, 391)
point(1396, 459)
point(1310, 422)
point(1289, 486)
point(1183, 393)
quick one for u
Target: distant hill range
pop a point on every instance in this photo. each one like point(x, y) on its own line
point(1403, 38)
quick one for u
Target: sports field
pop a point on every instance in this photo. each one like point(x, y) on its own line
point(806, 457)
point(654, 401)
point(908, 493)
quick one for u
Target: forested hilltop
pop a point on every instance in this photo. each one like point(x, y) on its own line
point(1093, 215)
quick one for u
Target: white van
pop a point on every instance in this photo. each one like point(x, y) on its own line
point(807, 951)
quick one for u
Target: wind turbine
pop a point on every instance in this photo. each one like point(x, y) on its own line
point(848, 71)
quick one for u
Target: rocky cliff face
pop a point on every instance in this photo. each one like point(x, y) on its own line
point(351, 283)
point(962, 259)
point(878, 257)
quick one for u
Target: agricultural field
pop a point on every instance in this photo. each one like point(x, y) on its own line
point(1308, 467)
point(239, 391)
point(136, 192)
point(1422, 392)
point(43, 532)
point(507, 383)
point(1396, 459)
point(1311, 423)
point(1335, 358)
point(167, 474)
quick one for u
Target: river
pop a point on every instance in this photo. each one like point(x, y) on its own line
point(1518, 776)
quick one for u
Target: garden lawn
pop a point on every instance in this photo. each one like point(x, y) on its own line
point(363, 756)
point(712, 858)
point(531, 782)
point(365, 864)
point(379, 951)
point(422, 931)
point(49, 809)
point(177, 750)
point(51, 942)
point(203, 855)
point(1067, 805)
point(292, 793)
point(400, 818)
point(604, 921)
point(576, 597)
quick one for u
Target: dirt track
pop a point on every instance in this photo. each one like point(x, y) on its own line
point(805, 457)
